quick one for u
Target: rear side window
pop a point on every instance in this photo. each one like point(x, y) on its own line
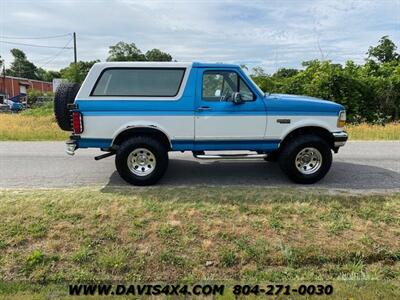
point(139, 82)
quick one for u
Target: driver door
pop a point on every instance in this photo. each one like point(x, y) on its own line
point(221, 121)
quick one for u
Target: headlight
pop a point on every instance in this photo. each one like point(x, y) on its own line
point(342, 119)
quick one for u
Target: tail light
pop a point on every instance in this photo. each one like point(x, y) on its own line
point(77, 122)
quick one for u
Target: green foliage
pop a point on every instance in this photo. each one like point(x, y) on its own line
point(36, 96)
point(21, 66)
point(157, 55)
point(125, 52)
point(370, 92)
point(77, 72)
point(228, 258)
point(129, 52)
point(47, 109)
point(42, 74)
point(35, 258)
point(385, 51)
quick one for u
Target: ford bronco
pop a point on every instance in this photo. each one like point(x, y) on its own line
point(140, 111)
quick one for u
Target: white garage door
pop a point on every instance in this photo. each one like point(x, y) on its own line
point(22, 89)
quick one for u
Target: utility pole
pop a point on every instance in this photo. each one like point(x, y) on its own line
point(75, 58)
point(4, 82)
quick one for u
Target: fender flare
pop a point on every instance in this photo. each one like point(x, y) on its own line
point(127, 127)
point(307, 123)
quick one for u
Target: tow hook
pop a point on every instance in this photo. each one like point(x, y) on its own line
point(111, 153)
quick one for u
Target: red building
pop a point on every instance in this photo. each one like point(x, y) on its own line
point(13, 86)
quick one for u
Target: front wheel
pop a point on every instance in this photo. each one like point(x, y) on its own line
point(141, 160)
point(306, 159)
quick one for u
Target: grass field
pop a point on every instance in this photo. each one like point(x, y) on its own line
point(31, 125)
point(55, 237)
point(390, 131)
point(39, 125)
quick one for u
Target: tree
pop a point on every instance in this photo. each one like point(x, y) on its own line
point(285, 72)
point(125, 52)
point(385, 51)
point(21, 66)
point(53, 74)
point(157, 55)
point(1, 63)
point(77, 72)
point(258, 72)
point(129, 52)
point(42, 74)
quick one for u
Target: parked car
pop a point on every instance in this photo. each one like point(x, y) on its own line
point(5, 107)
point(140, 111)
point(14, 105)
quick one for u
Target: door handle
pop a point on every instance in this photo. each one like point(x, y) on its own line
point(204, 108)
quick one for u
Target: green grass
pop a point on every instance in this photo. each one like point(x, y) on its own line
point(37, 124)
point(49, 238)
point(47, 109)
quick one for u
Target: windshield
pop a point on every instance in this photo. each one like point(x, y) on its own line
point(258, 88)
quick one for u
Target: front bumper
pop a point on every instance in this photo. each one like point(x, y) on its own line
point(339, 138)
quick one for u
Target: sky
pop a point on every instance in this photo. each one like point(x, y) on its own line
point(268, 34)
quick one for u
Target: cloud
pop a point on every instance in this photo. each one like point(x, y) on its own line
point(272, 34)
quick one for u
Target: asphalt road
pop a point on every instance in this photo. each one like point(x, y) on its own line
point(359, 167)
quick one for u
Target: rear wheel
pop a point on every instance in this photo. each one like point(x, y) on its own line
point(141, 160)
point(306, 159)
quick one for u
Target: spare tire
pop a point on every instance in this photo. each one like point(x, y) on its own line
point(65, 95)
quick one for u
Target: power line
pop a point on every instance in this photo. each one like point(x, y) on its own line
point(57, 54)
point(33, 38)
point(34, 45)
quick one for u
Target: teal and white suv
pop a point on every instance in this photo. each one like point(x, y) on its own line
point(139, 111)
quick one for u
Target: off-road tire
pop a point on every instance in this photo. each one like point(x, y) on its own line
point(287, 158)
point(65, 95)
point(155, 148)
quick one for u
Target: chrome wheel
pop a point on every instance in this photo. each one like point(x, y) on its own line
point(141, 162)
point(308, 161)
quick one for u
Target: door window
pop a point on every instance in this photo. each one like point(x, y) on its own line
point(221, 85)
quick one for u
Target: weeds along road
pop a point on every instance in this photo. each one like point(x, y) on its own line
point(359, 167)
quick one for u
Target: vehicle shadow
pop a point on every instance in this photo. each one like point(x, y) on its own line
point(342, 175)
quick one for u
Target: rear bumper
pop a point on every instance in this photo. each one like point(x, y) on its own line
point(76, 142)
point(72, 144)
point(70, 147)
point(339, 138)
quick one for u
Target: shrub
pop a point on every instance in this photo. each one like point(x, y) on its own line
point(36, 97)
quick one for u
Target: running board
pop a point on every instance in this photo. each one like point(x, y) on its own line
point(230, 156)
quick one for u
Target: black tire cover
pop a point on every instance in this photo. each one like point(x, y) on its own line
point(65, 95)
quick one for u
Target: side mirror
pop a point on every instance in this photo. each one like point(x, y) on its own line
point(237, 98)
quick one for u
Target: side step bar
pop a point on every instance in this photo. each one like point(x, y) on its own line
point(111, 153)
point(229, 156)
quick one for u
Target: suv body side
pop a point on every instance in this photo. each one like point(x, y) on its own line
point(194, 124)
